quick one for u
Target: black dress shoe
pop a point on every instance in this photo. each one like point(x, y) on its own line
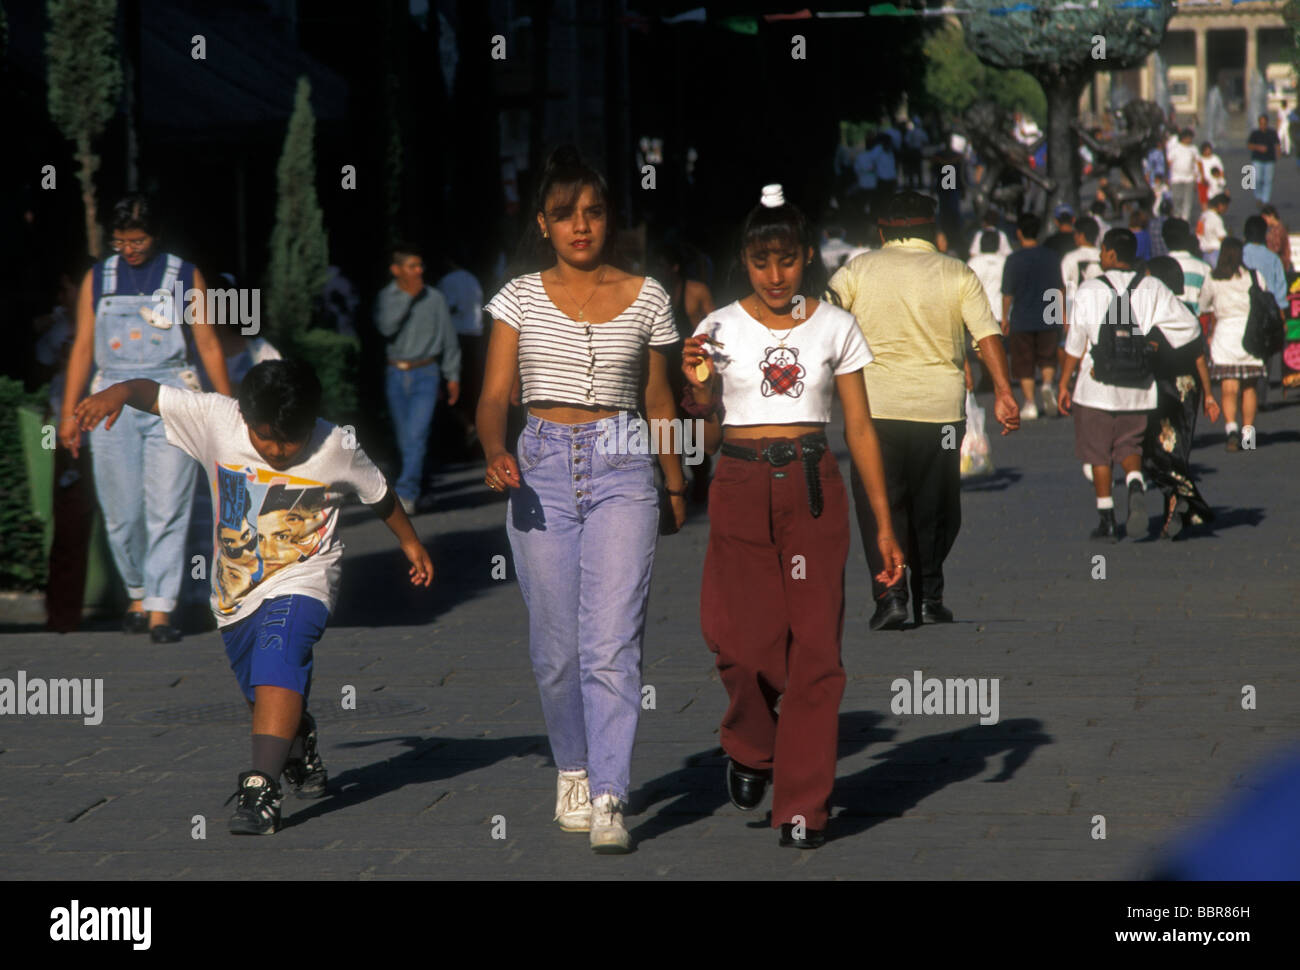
point(746, 786)
point(135, 622)
point(891, 613)
point(812, 838)
point(933, 611)
point(164, 633)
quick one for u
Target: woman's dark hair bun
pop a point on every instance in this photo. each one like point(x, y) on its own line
point(564, 157)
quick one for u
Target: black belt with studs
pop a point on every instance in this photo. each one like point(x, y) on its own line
point(810, 449)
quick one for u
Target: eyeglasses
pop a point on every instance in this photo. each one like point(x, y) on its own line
point(132, 245)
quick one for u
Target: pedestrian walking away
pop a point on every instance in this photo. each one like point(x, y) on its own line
point(1182, 390)
point(772, 598)
point(1226, 297)
point(1032, 338)
point(588, 340)
point(914, 307)
point(1110, 342)
point(277, 474)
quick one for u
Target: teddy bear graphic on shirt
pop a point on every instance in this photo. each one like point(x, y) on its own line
point(782, 372)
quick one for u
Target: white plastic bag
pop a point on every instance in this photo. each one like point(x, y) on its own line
point(975, 457)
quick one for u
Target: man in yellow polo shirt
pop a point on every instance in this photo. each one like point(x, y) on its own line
point(914, 306)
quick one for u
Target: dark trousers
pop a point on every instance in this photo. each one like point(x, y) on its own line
point(772, 609)
point(923, 480)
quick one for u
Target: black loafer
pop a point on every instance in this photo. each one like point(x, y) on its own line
point(891, 613)
point(933, 611)
point(135, 622)
point(746, 786)
point(812, 838)
point(164, 633)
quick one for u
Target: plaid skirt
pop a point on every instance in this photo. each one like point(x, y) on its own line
point(1235, 372)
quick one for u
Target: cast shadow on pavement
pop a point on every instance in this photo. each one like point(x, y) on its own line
point(698, 789)
point(1226, 517)
point(426, 760)
point(999, 480)
point(909, 773)
point(376, 590)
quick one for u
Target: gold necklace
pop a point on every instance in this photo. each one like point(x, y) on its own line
point(780, 340)
point(581, 306)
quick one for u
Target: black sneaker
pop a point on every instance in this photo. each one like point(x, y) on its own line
point(258, 809)
point(1106, 530)
point(1234, 441)
point(306, 776)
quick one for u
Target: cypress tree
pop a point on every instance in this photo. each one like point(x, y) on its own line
point(299, 244)
point(84, 80)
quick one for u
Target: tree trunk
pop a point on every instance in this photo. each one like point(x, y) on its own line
point(1062, 141)
point(94, 244)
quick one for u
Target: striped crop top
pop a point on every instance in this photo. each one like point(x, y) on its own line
point(575, 362)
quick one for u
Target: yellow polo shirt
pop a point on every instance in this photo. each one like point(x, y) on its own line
point(913, 305)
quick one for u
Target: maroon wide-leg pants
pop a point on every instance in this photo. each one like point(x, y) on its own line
point(772, 609)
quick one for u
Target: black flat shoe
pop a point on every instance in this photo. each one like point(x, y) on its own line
point(933, 611)
point(891, 613)
point(164, 633)
point(812, 838)
point(135, 622)
point(746, 786)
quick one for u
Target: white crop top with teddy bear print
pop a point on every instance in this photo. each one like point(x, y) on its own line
point(764, 383)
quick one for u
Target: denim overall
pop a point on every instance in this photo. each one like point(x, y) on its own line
point(145, 485)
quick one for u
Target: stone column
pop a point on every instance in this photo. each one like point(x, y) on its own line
point(1252, 66)
point(1202, 78)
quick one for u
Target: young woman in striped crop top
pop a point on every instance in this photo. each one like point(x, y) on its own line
point(588, 342)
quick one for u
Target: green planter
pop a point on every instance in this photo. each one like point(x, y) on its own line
point(39, 460)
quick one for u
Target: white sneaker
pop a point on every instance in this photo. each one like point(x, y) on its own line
point(1087, 471)
point(573, 801)
point(1047, 394)
point(1029, 411)
point(608, 836)
point(407, 505)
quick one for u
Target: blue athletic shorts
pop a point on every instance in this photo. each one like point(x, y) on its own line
point(273, 646)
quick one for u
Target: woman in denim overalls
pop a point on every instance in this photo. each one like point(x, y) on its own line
point(143, 483)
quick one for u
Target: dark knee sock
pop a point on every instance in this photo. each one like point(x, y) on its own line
point(298, 749)
point(269, 754)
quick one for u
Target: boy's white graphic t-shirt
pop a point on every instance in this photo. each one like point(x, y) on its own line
point(274, 531)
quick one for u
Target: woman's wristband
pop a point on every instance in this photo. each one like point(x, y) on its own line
point(697, 410)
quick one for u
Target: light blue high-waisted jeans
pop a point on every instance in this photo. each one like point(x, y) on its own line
point(583, 527)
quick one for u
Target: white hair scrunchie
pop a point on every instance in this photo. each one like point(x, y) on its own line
point(773, 196)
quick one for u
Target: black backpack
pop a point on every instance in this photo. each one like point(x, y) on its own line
point(1265, 331)
point(1122, 357)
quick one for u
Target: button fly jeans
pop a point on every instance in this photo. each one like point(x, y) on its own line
point(583, 527)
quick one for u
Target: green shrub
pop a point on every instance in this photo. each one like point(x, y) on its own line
point(336, 359)
point(23, 564)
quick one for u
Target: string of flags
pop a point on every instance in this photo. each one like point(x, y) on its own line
point(748, 24)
